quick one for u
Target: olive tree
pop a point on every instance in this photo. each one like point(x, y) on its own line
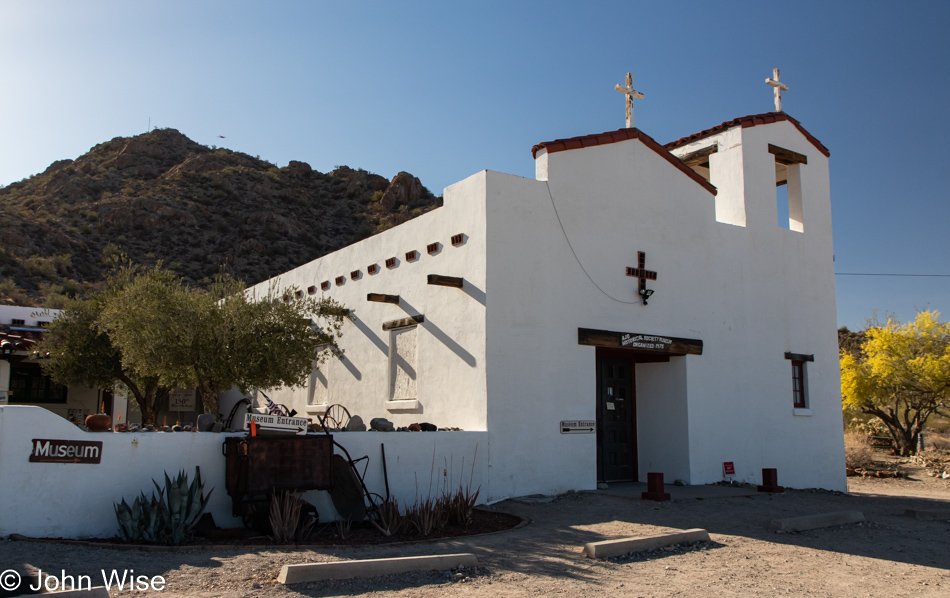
point(173, 335)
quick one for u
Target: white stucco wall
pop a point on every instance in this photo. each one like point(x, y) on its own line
point(546, 257)
point(727, 275)
point(76, 500)
point(450, 343)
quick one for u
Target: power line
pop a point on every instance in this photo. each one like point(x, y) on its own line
point(876, 274)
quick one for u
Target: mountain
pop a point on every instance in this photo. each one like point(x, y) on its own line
point(162, 197)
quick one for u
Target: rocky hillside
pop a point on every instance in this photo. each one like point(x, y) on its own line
point(161, 196)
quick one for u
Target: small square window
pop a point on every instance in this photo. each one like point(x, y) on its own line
point(391, 262)
point(372, 269)
point(340, 280)
point(298, 294)
point(458, 239)
point(355, 275)
point(432, 248)
point(412, 256)
point(311, 290)
point(325, 285)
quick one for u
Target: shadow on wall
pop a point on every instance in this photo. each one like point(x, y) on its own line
point(438, 333)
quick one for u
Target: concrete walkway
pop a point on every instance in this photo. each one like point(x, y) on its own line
point(634, 490)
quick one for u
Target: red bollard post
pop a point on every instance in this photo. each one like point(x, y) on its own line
point(770, 481)
point(655, 488)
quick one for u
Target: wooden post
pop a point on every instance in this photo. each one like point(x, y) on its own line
point(770, 481)
point(655, 488)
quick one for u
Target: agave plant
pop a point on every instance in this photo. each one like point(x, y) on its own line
point(166, 517)
point(184, 504)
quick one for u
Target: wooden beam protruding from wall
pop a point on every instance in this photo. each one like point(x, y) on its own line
point(380, 298)
point(786, 156)
point(799, 357)
point(700, 157)
point(403, 322)
point(446, 281)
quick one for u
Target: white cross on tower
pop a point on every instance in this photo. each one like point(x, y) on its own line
point(779, 88)
point(630, 93)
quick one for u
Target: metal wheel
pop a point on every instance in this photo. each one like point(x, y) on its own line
point(336, 416)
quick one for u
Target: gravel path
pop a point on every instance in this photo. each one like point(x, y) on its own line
point(887, 555)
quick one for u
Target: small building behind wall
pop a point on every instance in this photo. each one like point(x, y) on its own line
point(634, 308)
point(23, 382)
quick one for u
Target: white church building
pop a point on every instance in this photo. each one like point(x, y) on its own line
point(634, 308)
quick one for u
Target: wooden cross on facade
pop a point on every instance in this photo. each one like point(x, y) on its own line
point(641, 272)
point(779, 87)
point(630, 93)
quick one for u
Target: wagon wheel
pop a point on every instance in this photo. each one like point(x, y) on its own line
point(336, 416)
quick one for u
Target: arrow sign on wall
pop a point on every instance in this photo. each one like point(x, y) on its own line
point(578, 427)
point(278, 423)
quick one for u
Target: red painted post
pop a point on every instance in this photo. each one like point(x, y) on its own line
point(655, 488)
point(770, 481)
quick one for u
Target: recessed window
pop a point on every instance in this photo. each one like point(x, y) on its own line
point(355, 275)
point(325, 285)
point(799, 379)
point(412, 256)
point(372, 269)
point(298, 294)
point(798, 384)
point(458, 239)
point(311, 290)
point(432, 248)
point(340, 280)
point(29, 385)
point(320, 383)
point(391, 262)
point(788, 187)
point(402, 364)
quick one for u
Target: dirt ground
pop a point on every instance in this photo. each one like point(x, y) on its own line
point(887, 555)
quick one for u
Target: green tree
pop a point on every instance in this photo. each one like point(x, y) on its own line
point(80, 351)
point(211, 340)
point(901, 376)
point(151, 331)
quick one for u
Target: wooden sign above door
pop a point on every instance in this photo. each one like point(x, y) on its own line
point(640, 342)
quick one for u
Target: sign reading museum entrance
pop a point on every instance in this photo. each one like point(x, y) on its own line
point(578, 427)
point(639, 341)
point(65, 451)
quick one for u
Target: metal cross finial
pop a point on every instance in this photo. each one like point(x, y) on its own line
point(779, 88)
point(630, 93)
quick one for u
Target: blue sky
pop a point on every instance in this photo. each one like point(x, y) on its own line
point(444, 89)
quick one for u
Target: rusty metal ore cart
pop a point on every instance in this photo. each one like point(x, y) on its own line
point(256, 466)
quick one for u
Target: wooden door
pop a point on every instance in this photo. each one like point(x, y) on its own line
point(616, 420)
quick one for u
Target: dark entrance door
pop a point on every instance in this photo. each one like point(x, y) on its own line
point(616, 420)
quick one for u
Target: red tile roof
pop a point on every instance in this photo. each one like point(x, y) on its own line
point(750, 121)
point(560, 145)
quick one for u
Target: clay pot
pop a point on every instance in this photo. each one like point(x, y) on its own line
point(100, 422)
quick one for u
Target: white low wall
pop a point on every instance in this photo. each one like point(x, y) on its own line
point(73, 500)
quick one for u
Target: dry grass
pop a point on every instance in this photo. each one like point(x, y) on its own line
point(857, 452)
point(938, 441)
